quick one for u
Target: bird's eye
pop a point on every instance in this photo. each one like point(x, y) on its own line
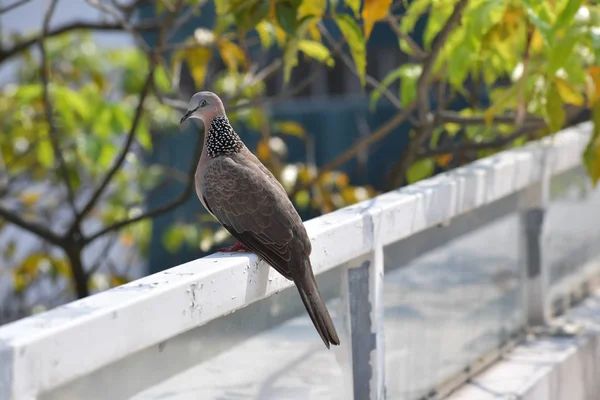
point(202, 103)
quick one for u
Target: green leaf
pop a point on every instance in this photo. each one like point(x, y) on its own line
point(409, 74)
point(356, 42)
point(290, 53)
point(143, 135)
point(591, 156)
point(290, 58)
point(73, 100)
point(316, 50)
point(45, 153)
point(415, 10)
point(302, 199)
point(420, 170)
point(391, 77)
point(408, 85)
point(249, 13)
point(595, 43)
point(287, 12)
point(173, 238)
point(538, 15)
point(568, 13)
point(292, 128)
point(107, 154)
point(355, 7)
point(561, 51)
point(555, 113)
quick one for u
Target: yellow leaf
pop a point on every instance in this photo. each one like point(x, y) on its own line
point(127, 239)
point(593, 85)
point(567, 92)
point(555, 113)
point(197, 60)
point(290, 54)
point(349, 195)
point(118, 280)
point(222, 6)
point(354, 6)
point(316, 50)
point(373, 11)
point(263, 151)
point(279, 35)
point(591, 155)
point(30, 198)
point(265, 31)
point(291, 128)
point(313, 30)
point(356, 42)
point(19, 282)
point(498, 106)
point(443, 160)
point(342, 180)
point(233, 56)
point(312, 7)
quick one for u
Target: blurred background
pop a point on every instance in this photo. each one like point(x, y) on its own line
point(341, 100)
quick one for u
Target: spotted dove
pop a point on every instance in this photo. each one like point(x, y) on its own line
point(243, 195)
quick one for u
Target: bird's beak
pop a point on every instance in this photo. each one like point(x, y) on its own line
point(187, 114)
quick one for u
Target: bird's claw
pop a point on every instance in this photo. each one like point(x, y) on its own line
point(236, 247)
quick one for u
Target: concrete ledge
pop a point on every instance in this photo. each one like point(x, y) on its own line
point(560, 364)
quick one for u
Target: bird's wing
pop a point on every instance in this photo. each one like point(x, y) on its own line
point(255, 211)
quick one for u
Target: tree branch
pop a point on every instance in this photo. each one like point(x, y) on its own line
point(431, 58)
point(123, 155)
point(501, 141)
point(148, 84)
point(348, 62)
point(165, 208)
point(426, 122)
point(122, 22)
point(416, 49)
point(446, 116)
point(12, 6)
point(350, 153)
point(32, 227)
point(45, 76)
point(74, 26)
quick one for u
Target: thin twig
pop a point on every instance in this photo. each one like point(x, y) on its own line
point(353, 151)
point(36, 229)
point(431, 58)
point(19, 47)
point(426, 121)
point(419, 53)
point(12, 6)
point(522, 106)
point(146, 89)
point(190, 12)
point(454, 117)
point(348, 62)
point(110, 242)
point(501, 141)
point(119, 18)
point(189, 189)
point(53, 135)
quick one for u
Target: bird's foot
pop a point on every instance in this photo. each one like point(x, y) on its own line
point(236, 247)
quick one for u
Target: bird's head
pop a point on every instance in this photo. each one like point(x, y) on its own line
point(204, 106)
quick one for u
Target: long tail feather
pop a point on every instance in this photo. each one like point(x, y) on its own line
point(315, 306)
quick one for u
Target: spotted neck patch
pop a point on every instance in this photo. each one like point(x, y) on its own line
point(222, 139)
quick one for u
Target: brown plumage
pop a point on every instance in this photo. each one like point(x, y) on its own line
point(243, 195)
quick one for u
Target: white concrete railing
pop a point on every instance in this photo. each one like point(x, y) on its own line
point(44, 352)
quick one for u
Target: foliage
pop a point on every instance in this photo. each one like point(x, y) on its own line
point(79, 119)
